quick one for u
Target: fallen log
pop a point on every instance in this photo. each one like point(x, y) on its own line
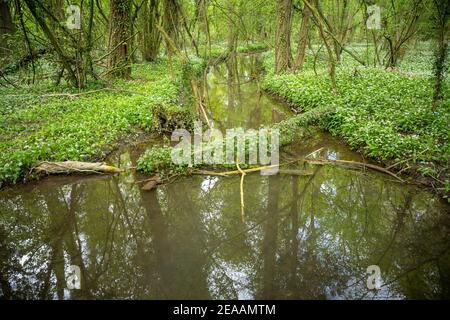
point(74, 167)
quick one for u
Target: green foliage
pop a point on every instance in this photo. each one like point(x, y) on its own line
point(158, 159)
point(38, 126)
point(386, 114)
point(252, 47)
point(220, 50)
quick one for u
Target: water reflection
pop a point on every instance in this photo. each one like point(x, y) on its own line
point(233, 96)
point(303, 237)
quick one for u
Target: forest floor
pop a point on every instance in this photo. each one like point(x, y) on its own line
point(41, 122)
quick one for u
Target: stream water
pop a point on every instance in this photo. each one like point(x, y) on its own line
point(303, 237)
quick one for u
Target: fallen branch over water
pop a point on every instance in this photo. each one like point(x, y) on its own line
point(232, 172)
point(300, 172)
point(75, 167)
point(355, 163)
point(292, 172)
point(242, 191)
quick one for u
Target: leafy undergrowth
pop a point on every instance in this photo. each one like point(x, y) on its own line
point(221, 50)
point(160, 160)
point(36, 124)
point(386, 115)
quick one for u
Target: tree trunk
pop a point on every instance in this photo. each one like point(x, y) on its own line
point(203, 23)
point(151, 38)
point(442, 8)
point(171, 22)
point(331, 59)
point(6, 26)
point(303, 41)
point(119, 39)
point(283, 59)
point(232, 31)
point(6, 23)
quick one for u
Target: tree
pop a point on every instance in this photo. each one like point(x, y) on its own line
point(6, 24)
point(39, 15)
point(315, 10)
point(400, 27)
point(283, 58)
point(303, 38)
point(119, 60)
point(442, 15)
point(150, 38)
point(171, 23)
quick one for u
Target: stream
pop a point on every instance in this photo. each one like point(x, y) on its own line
point(303, 237)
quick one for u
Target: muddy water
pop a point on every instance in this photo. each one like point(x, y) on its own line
point(302, 236)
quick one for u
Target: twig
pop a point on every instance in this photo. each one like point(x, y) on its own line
point(368, 165)
point(310, 154)
point(242, 192)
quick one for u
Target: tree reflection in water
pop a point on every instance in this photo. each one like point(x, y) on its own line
point(303, 237)
point(307, 237)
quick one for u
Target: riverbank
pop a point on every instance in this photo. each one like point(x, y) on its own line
point(388, 116)
point(38, 123)
point(41, 122)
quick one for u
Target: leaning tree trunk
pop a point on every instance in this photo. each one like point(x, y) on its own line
point(119, 39)
point(283, 60)
point(303, 41)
